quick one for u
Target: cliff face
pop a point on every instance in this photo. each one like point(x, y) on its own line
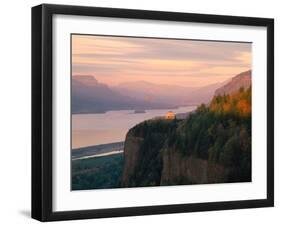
point(131, 158)
point(143, 153)
point(179, 169)
point(175, 169)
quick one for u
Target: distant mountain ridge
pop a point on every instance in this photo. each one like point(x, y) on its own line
point(164, 93)
point(90, 96)
point(86, 80)
point(243, 79)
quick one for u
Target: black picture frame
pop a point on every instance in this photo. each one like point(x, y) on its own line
point(42, 111)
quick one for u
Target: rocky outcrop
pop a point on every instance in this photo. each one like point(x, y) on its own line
point(176, 168)
point(131, 157)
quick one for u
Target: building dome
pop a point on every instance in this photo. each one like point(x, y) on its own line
point(170, 115)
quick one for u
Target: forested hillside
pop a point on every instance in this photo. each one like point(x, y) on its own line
point(212, 146)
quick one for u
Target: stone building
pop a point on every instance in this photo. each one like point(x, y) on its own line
point(170, 115)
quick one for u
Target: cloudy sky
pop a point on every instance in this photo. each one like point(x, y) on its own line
point(114, 60)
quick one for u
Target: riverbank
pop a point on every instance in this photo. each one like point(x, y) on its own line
point(97, 150)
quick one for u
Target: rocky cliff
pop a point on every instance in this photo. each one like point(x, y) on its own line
point(180, 169)
point(143, 160)
point(166, 166)
point(131, 156)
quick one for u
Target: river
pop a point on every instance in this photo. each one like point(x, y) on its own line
point(112, 126)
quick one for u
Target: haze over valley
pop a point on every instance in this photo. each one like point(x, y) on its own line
point(91, 96)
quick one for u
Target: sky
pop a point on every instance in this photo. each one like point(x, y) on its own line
point(115, 60)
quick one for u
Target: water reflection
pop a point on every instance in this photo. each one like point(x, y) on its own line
point(112, 126)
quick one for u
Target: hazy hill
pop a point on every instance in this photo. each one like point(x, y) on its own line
point(86, 80)
point(180, 95)
point(243, 79)
point(203, 94)
point(143, 88)
point(90, 96)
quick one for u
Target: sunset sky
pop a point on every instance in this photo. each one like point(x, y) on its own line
point(114, 60)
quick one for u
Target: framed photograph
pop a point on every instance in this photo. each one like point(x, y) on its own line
point(145, 112)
